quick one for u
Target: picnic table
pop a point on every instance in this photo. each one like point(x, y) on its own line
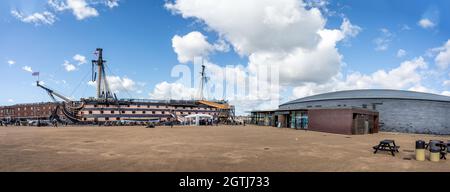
point(386, 145)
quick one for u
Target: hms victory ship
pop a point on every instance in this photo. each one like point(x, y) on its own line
point(106, 107)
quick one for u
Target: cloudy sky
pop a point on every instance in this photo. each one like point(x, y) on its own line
point(316, 46)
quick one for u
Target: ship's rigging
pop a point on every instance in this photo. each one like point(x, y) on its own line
point(71, 109)
point(103, 90)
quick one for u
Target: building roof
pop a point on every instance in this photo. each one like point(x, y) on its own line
point(373, 94)
point(263, 111)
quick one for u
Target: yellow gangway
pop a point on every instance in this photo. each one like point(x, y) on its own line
point(214, 104)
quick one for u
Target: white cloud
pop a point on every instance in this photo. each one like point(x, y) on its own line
point(401, 53)
point(117, 84)
point(383, 41)
point(221, 46)
point(80, 59)
point(195, 44)
point(35, 18)
point(58, 5)
point(80, 8)
point(282, 33)
point(11, 62)
point(92, 83)
point(191, 45)
point(407, 77)
point(167, 90)
point(112, 3)
point(421, 88)
point(311, 65)
point(405, 27)
point(69, 67)
point(256, 25)
point(348, 29)
point(27, 69)
point(402, 77)
point(446, 83)
point(288, 35)
point(443, 57)
point(446, 93)
point(426, 23)
point(11, 100)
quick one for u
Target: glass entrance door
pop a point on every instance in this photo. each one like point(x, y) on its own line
point(305, 120)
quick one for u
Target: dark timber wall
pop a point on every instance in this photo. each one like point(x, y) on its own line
point(340, 121)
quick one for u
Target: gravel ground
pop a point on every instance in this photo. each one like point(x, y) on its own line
point(210, 149)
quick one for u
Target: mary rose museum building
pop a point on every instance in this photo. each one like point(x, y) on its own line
point(363, 112)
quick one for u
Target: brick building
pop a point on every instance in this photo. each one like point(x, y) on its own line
point(27, 111)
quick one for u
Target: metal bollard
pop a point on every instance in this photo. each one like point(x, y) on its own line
point(420, 150)
point(435, 154)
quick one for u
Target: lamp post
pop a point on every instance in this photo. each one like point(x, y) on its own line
point(34, 108)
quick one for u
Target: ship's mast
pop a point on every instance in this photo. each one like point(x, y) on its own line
point(103, 91)
point(202, 83)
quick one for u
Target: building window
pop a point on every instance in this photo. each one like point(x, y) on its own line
point(95, 105)
point(101, 112)
point(163, 112)
point(112, 112)
point(85, 119)
point(107, 105)
point(148, 106)
point(106, 118)
point(123, 112)
point(118, 118)
point(90, 112)
point(153, 112)
point(143, 112)
point(157, 106)
point(134, 112)
point(138, 106)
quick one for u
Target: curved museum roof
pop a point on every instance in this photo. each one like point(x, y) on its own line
point(372, 94)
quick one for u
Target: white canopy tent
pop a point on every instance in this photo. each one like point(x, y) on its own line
point(196, 118)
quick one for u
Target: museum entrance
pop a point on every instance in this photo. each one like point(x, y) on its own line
point(363, 124)
point(299, 120)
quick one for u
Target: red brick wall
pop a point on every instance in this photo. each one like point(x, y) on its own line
point(38, 110)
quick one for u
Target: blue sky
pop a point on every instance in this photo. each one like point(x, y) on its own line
point(137, 37)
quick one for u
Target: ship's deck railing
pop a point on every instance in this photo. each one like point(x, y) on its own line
point(171, 101)
point(159, 101)
point(155, 101)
